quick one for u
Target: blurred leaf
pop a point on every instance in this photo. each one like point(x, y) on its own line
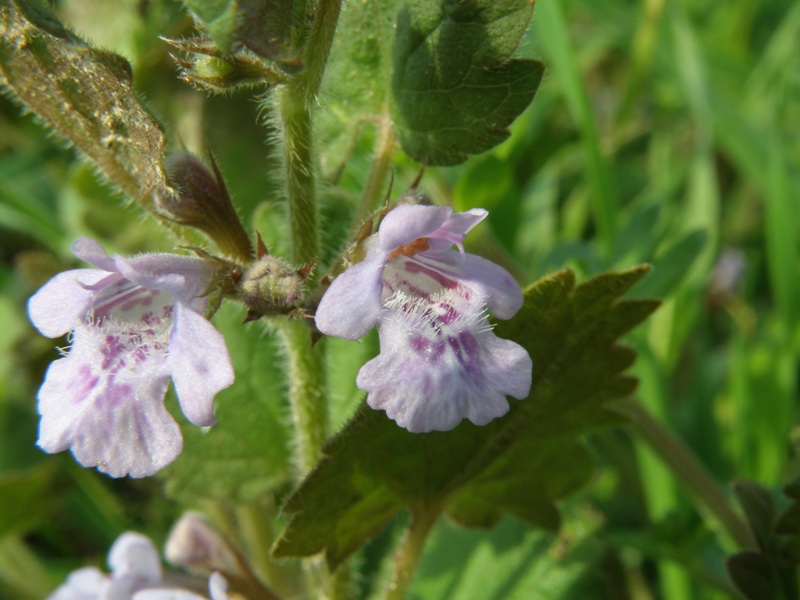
point(514, 562)
point(789, 521)
point(764, 573)
point(27, 498)
point(552, 31)
point(84, 94)
point(518, 464)
point(246, 454)
point(455, 87)
point(671, 267)
point(485, 183)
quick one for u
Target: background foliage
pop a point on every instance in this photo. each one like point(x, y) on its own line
point(662, 132)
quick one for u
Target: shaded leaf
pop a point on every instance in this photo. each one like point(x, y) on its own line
point(766, 572)
point(84, 94)
point(518, 464)
point(27, 499)
point(671, 267)
point(455, 87)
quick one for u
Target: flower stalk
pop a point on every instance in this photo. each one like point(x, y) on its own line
point(294, 105)
point(408, 554)
point(688, 470)
point(381, 164)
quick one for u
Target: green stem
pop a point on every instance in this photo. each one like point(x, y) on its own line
point(409, 553)
point(688, 470)
point(256, 530)
point(381, 164)
point(294, 104)
point(306, 392)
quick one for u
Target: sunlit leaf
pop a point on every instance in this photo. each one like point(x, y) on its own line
point(455, 87)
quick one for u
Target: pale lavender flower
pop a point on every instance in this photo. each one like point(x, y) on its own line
point(440, 362)
point(136, 574)
point(135, 323)
point(134, 563)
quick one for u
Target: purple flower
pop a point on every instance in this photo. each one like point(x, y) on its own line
point(136, 574)
point(440, 362)
point(135, 323)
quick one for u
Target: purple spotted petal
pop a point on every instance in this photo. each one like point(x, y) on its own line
point(432, 384)
point(406, 223)
point(62, 302)
point(441, 363)
point(352, 304)
point(199, 363)
point(500, 291)
point(105, 402)
point(136, 323)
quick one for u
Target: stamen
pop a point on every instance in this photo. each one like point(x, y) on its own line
point(418, 245)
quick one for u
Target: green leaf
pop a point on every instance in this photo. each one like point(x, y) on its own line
point(514, 562)
point(265, 27)
point(766, 572)
point(245, 455)
point(455, 87)
point(27, 499)
point(355, 90)
point(671, 267)
point(84, 94)
point(517, 464)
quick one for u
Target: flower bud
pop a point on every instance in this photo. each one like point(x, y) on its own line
point(269, 286)
point(215, 72)
point(202, 201)
point(196, 546)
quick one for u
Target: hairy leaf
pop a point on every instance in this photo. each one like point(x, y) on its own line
point(517, 464)
point(84, 94)
point(455, 87)
point(355, 90)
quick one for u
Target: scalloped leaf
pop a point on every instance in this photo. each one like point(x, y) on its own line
point(455, 87)
point(518, 464)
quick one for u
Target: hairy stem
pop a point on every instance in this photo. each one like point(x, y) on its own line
point(688, 470)
point(410, 551)
point(295, 102)
point(306, 393)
